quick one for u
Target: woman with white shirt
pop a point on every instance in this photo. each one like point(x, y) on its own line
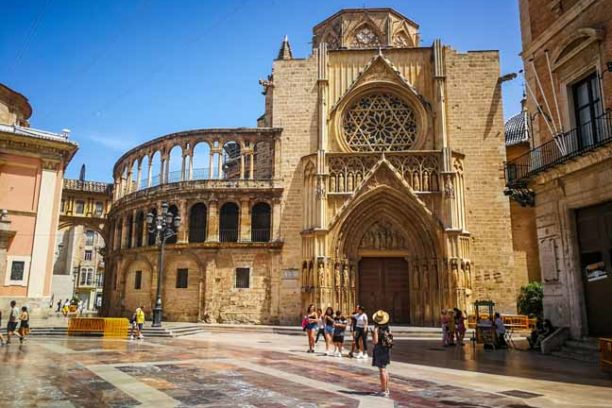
point(361, 331)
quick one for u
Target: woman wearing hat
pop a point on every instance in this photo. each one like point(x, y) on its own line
point(383, 340)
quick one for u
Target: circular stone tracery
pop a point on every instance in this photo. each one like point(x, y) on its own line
point(380, 122)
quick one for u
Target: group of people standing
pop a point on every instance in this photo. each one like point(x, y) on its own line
point(16, 318)
point(453, 327)
point(332, 325)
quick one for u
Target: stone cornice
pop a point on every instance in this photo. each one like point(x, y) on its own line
point(562, 22)
point(40, 148)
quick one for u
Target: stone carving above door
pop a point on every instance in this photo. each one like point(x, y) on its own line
point(382, 235)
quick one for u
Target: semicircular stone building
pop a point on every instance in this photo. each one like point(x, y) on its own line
point(373, 177)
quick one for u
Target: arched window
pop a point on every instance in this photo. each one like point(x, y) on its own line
point(228, 225)
point(151, 237)
point(174, 210)
point(139, 228)
point(197, 223)
point(231, 160)
point(260, 223)
point(130, 223)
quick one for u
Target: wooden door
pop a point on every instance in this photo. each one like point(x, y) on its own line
point(384, 284)
point(594, 225)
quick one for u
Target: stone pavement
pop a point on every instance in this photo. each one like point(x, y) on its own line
point(271, 370)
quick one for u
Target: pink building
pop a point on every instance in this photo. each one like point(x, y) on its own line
point(32, 164)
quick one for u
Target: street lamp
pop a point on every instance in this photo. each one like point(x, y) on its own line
point(164, 227)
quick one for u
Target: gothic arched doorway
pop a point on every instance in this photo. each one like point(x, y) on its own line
point(393, 245)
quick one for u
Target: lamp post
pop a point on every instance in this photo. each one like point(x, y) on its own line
point(163, 226)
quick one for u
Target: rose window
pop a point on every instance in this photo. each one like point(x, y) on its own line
point(380, 122)
point(365, 37)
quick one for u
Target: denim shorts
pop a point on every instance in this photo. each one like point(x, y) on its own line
point(329, 329)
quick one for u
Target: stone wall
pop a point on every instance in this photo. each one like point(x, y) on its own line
point(475, 128)
point(294, 110)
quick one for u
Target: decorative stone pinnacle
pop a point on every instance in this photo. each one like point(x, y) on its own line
point(285, 50)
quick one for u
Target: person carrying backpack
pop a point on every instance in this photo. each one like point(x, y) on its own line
point(383, 341)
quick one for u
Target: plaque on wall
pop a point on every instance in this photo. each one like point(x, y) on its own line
point(290, 274)
point(548, 260)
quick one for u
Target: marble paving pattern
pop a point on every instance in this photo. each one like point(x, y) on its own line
point(85, 372)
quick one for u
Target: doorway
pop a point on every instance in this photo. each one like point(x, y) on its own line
point(384, 284)
point(594, 227)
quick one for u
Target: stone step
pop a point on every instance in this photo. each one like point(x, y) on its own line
point(172, 331)
point(591, 345)
point(587, 357)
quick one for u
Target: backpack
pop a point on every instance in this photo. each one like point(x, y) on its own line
point(386, 338)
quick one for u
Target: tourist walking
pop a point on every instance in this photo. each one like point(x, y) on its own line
point(12, 322)
point(444, 323)
point(353, 325)
point(328, 321)
point(311, 321)
point(339, 329)
point(320, 326)
point(140, 319)
point(451, 327)
point(1, 336)
point(59, 306)
point(24, 324)
point(381, 355)
point(361, 332)
point(460, 326)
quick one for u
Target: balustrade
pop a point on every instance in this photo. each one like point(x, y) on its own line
point(220, 154)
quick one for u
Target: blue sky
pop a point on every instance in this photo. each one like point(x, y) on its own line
point(118, 73)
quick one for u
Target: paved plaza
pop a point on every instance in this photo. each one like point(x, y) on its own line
point(271, 370)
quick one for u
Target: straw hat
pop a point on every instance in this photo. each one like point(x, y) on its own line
point(381, 317)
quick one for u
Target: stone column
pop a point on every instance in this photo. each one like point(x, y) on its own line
point(211, 154)
point(252, 165)
point(138, 176)
point(276, 217)
point(212, 224)
point(276, 165)
point(245, 219)
point(241, 165)
point(190, 166)
point(166, 168)
point(128, 187)
point(220, 163)
point(150, 173)
point(183, 168)
point(183, 227)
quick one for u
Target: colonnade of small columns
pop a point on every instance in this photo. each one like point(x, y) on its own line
point(130, 174)
point(125, 237)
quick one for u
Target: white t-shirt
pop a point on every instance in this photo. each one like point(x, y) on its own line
point(14, 315)
point(361, 320)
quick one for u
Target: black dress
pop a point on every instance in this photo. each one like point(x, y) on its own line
point(381, 357)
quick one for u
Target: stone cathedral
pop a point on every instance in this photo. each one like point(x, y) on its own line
point(374, 176)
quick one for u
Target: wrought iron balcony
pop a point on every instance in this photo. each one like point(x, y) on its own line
point(560, 149)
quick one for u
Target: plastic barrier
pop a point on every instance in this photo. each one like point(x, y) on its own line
point(103, 326)
point(515, 321)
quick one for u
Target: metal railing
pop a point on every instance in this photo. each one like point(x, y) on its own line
point(260, 234)
point(228, 234)
point(561, 148)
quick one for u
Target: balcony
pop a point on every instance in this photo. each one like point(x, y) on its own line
point(564, 147)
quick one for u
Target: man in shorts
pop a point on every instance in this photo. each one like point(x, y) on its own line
point(140, 319)
point(13, 319)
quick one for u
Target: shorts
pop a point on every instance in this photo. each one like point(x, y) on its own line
point(338, 339)
point(311, 326)
point(140, 325)
point(11, 327)
point(329, 329)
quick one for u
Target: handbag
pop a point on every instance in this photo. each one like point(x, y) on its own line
point(304, 323)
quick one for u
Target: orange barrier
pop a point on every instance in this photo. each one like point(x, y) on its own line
point(514, 321)
point(103, 326)
point(605, 358)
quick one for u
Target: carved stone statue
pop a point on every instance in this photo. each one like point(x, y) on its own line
point(321, 274)
point(382, 235)
point(337, 275)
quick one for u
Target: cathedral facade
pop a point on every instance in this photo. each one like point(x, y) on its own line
point(375, 176)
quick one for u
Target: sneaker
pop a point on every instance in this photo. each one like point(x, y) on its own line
point(350, 354)
point(386, 394)
point(131, 338)
point(339, 355)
